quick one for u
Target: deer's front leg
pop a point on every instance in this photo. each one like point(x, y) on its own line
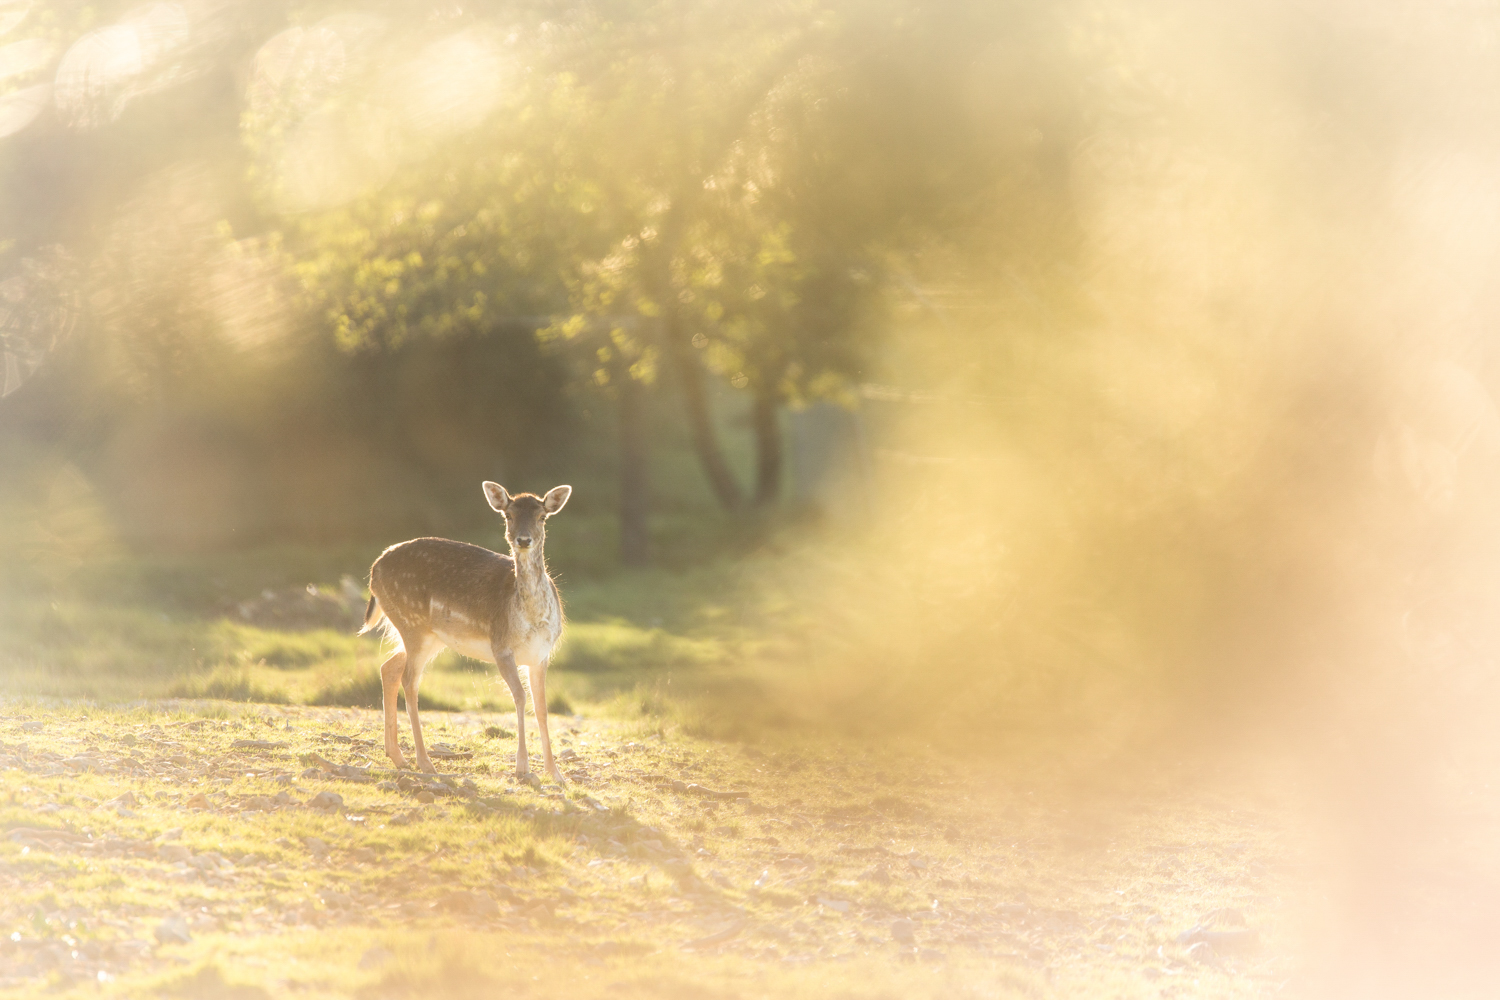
point(507, 664)
point(539, 702)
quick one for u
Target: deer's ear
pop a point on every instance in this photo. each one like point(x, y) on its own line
point(496, 495)
point(555, 498)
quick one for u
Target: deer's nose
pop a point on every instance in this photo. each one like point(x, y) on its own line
point(524, 541)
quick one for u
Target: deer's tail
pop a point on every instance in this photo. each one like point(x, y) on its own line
point(373, 614)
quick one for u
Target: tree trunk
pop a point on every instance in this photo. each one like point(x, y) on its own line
point(768, 449)
point(635, 486)
point(700, 418)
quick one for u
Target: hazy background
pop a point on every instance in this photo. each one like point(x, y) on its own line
point(1104, 373)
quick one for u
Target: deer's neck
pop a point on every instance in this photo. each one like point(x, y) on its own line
point(533, 586)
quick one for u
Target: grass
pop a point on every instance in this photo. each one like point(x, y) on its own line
point(240, 627)
point(741, 628)
point(884, 846)
point(853, 871)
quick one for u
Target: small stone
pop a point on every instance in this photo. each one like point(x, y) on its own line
point(315, 846)
point(311, 772)
point(199, 801)
point(31, 727)
point(171, 834)
point(425, 796)
point(1202, 952)
point(363, 854)
point(456, 902)
point(1227, 942)
point(329, 801)
point(374, 957)
point(173, 930)
point(903, 931)
point(388, 786)
point(1223, 917)
point(173, 852)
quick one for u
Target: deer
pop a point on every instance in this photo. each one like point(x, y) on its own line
point(428, 593)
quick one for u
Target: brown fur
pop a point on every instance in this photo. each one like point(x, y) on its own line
point(504, 609)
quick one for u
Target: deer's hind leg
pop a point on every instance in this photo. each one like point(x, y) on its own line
point(411, 679)
point(390, 684)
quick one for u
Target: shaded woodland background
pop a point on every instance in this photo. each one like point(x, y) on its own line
point(296, 271)
point(1160, 335)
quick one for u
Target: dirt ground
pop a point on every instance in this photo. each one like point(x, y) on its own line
point(201, 849)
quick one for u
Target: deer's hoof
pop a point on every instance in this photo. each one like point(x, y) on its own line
point(426, 765)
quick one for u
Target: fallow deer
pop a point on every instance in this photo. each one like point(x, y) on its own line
point(433, 592)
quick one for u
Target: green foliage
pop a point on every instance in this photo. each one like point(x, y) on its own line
point(328, 343)
point(746, 170)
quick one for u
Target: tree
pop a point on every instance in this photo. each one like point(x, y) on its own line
point(778, 159)
point(640, 178)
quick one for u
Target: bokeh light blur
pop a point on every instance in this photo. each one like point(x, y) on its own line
point(1167, 333)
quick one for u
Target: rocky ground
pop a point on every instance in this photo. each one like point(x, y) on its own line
point(198, 849)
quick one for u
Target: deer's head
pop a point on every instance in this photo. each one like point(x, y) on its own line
point(526, 515)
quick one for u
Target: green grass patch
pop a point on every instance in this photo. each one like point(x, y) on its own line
point(363, 690)
point(230, 683)
point(286, 649)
